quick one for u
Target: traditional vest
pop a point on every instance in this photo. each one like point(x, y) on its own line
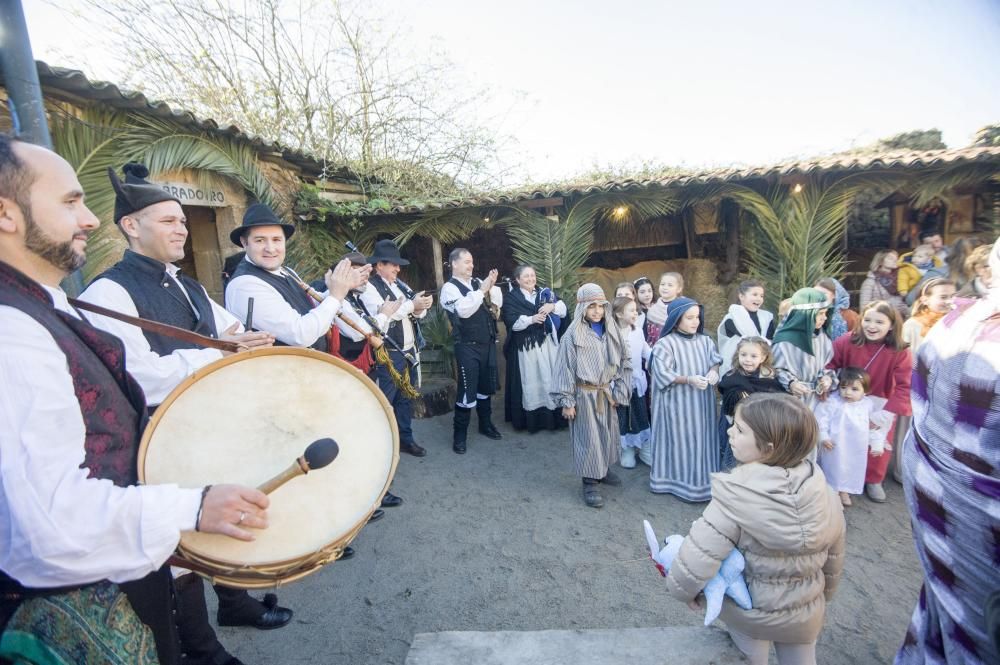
point(349, 349)
point(480, 328)
point(289, 290)
point(114, 415)
point(157, 298)
point(395, 327)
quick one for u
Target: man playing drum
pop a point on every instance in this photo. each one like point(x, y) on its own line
point(401, 325)
point(146, 283)
point(77, 535)
point(280, 304)
point(472, 306)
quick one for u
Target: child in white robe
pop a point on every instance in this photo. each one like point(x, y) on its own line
point(744, 319)
point(851, 422)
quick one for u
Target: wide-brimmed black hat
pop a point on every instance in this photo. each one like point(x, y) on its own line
point(259, 215)
point(386, 250)
point(135, 193)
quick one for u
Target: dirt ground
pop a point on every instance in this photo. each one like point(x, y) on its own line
point(499, 539)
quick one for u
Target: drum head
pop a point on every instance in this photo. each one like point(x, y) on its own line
point(246, 418)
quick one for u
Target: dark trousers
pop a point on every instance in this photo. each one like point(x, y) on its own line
point(401, 405)
point(199, 642)
point(477, 371)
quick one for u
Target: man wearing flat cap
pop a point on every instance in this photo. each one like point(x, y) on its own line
point(280, 305)
point(148, 284)
point(402, 326)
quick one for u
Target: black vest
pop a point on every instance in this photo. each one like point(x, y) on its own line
point(114, 415)
point(480, 328)
point(395, 327)
point(349, 349)
point(289, 290)
point(157, 298)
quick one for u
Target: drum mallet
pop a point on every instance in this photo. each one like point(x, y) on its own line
point(319, 453)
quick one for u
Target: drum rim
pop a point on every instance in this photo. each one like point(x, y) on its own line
point(202, 372)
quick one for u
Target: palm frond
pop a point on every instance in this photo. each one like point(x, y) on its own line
point(165, 146)
point(932, 184)
point(448, 226)
point(314, 248)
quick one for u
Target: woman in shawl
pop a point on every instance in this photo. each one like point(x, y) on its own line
point(802, 347)
point(952, 483)
point(592, 375)
point(844, 318)
point(882, 282)
point(684, 433)
point(532, 318)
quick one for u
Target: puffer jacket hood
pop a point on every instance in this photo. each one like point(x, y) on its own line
point(783, 509)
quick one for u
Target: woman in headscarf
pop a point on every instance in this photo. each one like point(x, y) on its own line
point(951, 477)
point(882, 282)
point(531, 316)
point(844, 318)
point(802, 346)
point(592, 375)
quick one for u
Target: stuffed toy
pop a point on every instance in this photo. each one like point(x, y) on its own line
point(727, 582)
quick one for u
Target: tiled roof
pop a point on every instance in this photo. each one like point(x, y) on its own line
point(847, 163)
point(76, 83)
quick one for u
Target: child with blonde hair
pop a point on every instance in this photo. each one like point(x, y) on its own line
point(778, 511)
point(744, 319)
point(752, 372)
point(934, 301)
point(671, 287)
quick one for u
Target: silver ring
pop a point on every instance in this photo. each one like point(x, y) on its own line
point(243, 516)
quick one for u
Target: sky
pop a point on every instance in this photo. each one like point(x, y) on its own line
point(702, 83)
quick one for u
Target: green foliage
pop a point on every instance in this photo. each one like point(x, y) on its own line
point(437, 333)
point(920, 139)
point(796, 235)
point(934, 183)
point(988, 136)
point(96, 139)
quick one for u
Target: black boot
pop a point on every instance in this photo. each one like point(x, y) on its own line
point(198, 640)
point(484, 409)
point(462, 418)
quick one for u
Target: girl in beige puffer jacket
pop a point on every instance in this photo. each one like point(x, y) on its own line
point(778, 510)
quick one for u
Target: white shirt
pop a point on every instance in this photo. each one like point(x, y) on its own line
point(524, 320)
point(349, 312)
point(57, 526)
point(373, 301)
point(157, 374)
point(273, 314)
point(465, 306)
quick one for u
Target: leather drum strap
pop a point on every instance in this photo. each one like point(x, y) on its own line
point(159, 328)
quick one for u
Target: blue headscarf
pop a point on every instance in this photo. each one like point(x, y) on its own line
point(676, 309)
point(841, 300)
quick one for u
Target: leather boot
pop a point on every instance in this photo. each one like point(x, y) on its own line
point(484, 410)
point(462, 417)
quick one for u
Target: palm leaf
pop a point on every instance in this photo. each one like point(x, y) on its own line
point(935, 183)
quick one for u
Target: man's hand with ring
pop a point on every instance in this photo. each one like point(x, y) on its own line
point(227, 508)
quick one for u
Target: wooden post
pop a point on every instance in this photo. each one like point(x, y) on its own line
point(438, 262)
point(690, 238)
point(729, 217)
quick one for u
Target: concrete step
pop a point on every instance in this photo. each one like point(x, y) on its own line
point(634, 646)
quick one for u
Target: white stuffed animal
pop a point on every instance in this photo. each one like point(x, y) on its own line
point(727, 582)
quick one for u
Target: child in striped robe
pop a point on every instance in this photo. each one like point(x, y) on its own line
point(685, 436)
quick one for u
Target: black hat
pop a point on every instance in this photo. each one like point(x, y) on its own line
point(356, 258)
point(136, 192)
point(259, 215)
point(386, 250)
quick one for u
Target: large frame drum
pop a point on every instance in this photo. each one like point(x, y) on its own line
point(246, 418)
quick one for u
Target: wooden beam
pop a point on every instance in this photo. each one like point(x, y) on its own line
point(729, 216)
point(541, 203)
point(690, 237)
point(438, 262)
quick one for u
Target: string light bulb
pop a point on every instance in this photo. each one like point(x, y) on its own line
point(620, 212)
point(797, 188)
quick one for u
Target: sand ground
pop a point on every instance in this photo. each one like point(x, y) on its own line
point(499, 539)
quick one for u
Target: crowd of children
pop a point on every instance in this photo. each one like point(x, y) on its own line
point(808, 403)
